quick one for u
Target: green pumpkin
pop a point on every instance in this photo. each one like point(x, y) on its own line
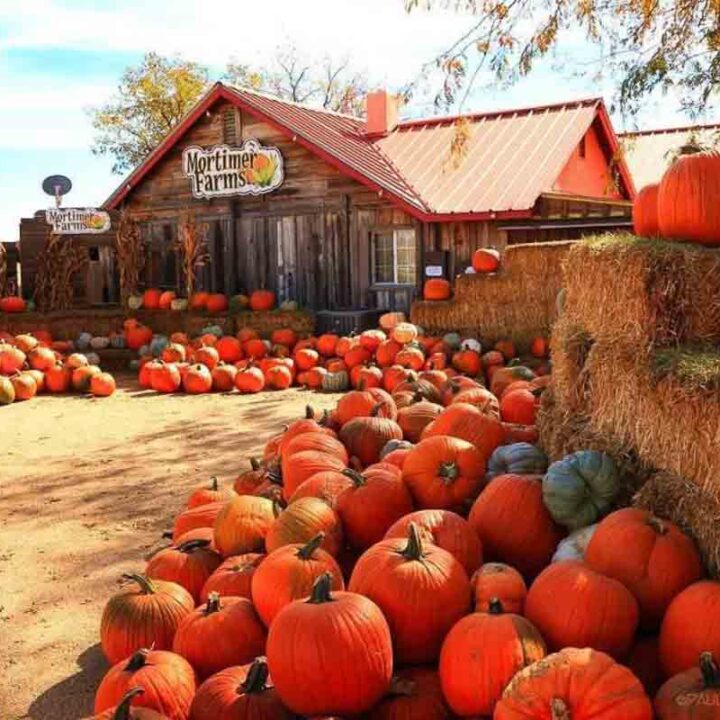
point(518, 459)
point(453, 340)
point(580, 488)
point(336, 382)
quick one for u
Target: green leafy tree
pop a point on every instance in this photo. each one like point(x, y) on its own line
point(646, 45)
point(151, 99)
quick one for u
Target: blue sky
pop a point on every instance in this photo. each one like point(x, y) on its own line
point(60, 57)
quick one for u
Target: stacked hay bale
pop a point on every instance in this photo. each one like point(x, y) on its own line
point(517, 302)
point(637, 373)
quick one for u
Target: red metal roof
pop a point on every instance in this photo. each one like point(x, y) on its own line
point(513, 156)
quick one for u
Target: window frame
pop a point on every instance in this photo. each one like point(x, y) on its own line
point(394, 231)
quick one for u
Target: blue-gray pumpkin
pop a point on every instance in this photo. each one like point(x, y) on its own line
point(581, 488)
point(518, 459)
point(392, 445)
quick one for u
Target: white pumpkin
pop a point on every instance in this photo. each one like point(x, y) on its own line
point(93, 358)
point(289, 306)
point(179, 304)
point(471, 344)
point(573, 547)
point(135, 302)
point(100, 343)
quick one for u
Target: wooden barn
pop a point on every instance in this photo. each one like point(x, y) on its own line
point(346, 214)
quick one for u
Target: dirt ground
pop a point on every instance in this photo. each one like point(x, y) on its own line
point(87, 486)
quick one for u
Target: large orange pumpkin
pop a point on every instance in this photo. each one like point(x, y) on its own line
point(58, 378)
point(481, 654)
point(242, 524)
point(325, 485)
point(124, 711)
point(497, 581)
point(520, 406)
point(239, 693)
point(436, 289)
point(197, 379)
point(201, 516)
point(515, 501)
point(222, 632)
point(574, 684)
point(189, 564)
point(144, 616)
point(486, 260)
point(168, 683)
point(250, 380)
point(262, 300)
point(362, 403)
point(689, 199)
point(151, 299)
point(653, 558)
point(365, 437)
point(289, 573)
point(303, 465)
point(693, 694)
point(573, 606)
point(443, 472)
point(229, 349)
point(447, 530)
point(11, 359)
point(691, 625)
point(330, 654)
point(216, 303)
point(102, 384)
point(376, 499)
point(421, 589)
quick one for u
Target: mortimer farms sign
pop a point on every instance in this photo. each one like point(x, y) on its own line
point(77, 221)
point(250, 169)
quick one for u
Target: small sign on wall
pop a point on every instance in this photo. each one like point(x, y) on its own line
point(77, 221)
point(222, 171)
point(434, 271)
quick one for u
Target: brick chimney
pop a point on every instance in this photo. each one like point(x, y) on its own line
point(382, 113)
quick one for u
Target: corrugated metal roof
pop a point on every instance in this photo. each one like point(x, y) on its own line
point(512, 157)
point(648, 153)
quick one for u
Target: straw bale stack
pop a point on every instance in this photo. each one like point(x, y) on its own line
point(518, 302)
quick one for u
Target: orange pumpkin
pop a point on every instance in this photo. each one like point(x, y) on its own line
point(262, 300)
point(197, 380)
point(486, 260)
point(574, 683)
point(165, 377)
point(421, 589)
point(166, 299)
point(24, 385)
point(102, 385)
point(653, 558)
point(224, 632)
point(123, 710)
point(289, 573)
point(530, 545)
point(198, 301)
point(326, 344)
point(278, 377)
point(82, 376)
point(58, 378)
point(691, 695)
point(520, 406)
point(216, 303)
point(151, 299)
point(233, 576)
point(467, 362)
point(250, 380)
point(223, 377)
point(201, 516)
point(41, 358)
point(365, 437)
point(481, 654)
point(242, 524)
point(301, 521)
point(688, 199)
point(415, 692)
point(573, 606)
point(437, 289)
point(229, 349)
point(502, 582)
point(325, 485)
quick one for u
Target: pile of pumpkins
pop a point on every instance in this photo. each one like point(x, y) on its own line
point(403, 558)
point(213, 303)
point(484, 261)
point(33, 363)
point(333, 363)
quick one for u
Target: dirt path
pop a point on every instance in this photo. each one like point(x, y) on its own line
point(86, 489)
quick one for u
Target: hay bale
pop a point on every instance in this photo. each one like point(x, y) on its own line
point(517, 302)
point(697, 512)
point(630, 290)
point(571, 345)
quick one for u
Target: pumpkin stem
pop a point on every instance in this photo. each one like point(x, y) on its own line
point(414, 549)
point(449, 471)
point(709, 670)
point(256, 679)
point(254, 463)
point(307, 550)
point(214, 483)
point(559, 710)
point(495, 606)
point(213, 603)
point(418, 396)
point(277, 508)
point(375, 412)
point(321, 589)
point(122, 712)
point(325, 419)
point(309, 413)
point(657, 525)
point(190, 546)
point(147, 586)
point(358, 479)
point(137, 661)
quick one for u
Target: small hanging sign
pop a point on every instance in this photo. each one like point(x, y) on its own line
point(222, 171)
point(77, 221)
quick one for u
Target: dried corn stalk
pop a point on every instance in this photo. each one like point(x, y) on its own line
point(191, 247)
point(3, 270)
point(131, 253)
point(59, 261)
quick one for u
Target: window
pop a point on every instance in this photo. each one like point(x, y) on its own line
point(394, 257)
